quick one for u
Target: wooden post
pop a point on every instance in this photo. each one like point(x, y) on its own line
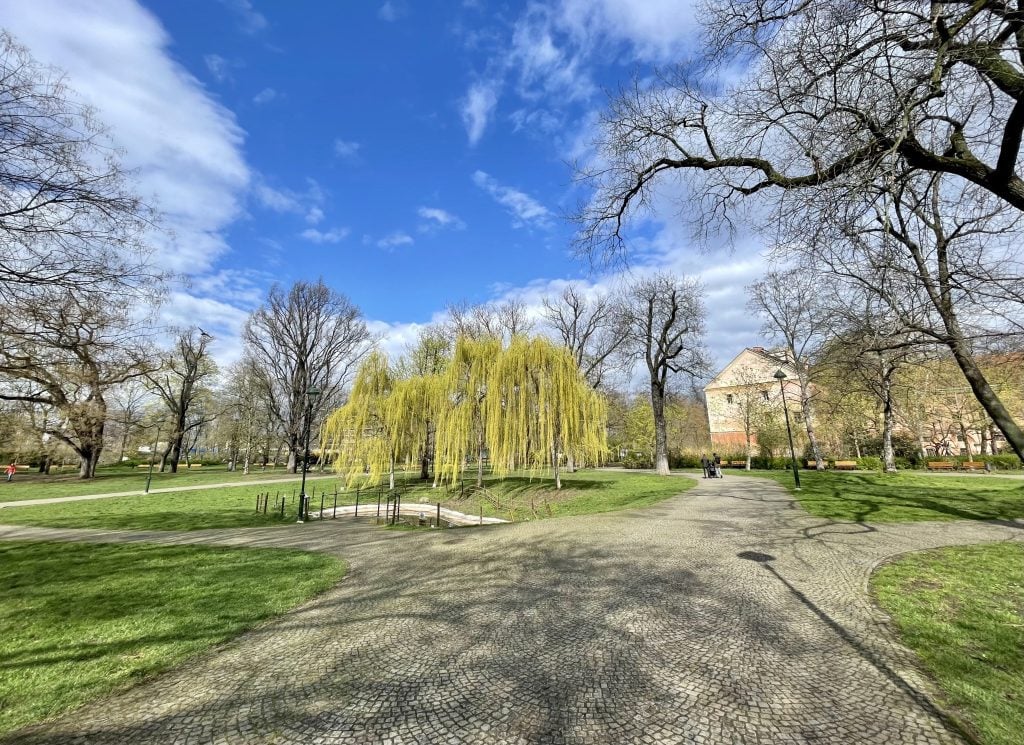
point(437, 523)
point(357, 504)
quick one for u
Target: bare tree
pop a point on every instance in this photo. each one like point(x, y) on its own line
point(790, 303)
point(310, 337)
point(68, 218)
point(663, 316)
point(942, 256)
point(495, 320)
point(68, 353)
point(590, 328)
point(835, 89)
point(180, 382)
point(128, 403)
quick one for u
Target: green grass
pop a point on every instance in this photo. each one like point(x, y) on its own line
point(234, 507)
point(515, 497)
point(903, 497)
point(962, 610)
point(78, 621)
point(521, 497)
point(122, 479)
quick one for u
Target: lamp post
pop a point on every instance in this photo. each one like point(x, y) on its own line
point(780, 376)
point(152, 453)
point(311, 395)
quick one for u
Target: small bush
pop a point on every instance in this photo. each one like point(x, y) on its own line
point(637, 460)
point(869, 463)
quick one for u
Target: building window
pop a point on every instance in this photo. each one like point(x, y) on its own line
point(765, 394)
point(728, 398)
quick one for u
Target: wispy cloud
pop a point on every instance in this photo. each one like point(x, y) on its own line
point(525, 209)
point(250, 19)
point(346, 148)
point(219, 67)
point(477, 108)
point(390, 11)
point(264, 96)
point(398, 238)
point(314, 215)
point(334, 235)
point(440, 218)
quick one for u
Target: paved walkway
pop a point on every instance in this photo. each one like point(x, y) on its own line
point(725, 615)
point(163, 490)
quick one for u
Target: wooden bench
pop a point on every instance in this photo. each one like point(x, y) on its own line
point(736, 464)
point(814, 464)
point(846, 465)
point(195, 465)
point(973, 465)
point(940, 465)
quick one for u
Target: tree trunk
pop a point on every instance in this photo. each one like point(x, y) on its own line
point(293, 460)
point(660, 431)
point(983, 391)
point(966, 438)
point(480, 460)
point(425, 460)
point(748, 450)
point(888, 456)
point(805, 408)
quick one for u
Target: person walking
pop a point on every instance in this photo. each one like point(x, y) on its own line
point(11, 470)
point(704, 463)
point(718, 465)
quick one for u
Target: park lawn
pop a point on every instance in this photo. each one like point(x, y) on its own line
point(903, 497)
point(962, 610)
point(233, 507)
point(526, 496)
point(121, 479)
point(78, 621)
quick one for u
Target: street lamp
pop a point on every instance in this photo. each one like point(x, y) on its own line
point(780, 376)
point(311, 395)
point(152, 454)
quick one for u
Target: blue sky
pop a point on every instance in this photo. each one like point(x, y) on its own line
point(413, 154)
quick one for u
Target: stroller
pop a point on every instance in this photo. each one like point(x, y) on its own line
point(715, 470)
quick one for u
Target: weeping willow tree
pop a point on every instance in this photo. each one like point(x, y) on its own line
point(539, 408)
point(527, 405)
point(461, 426)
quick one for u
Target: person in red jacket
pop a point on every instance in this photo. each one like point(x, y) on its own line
point(11, 470)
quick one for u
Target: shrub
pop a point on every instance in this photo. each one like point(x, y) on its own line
point(869, 463)
point(637, 460)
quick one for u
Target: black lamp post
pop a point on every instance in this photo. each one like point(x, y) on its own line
point(780, 376)
point(311, 395)
point(152, 454)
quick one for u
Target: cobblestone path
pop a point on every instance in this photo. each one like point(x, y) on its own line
point(725, 615)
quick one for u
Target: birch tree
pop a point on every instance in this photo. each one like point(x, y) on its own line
point(791, 305)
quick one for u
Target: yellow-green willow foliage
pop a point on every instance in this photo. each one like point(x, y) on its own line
point(539, 409)
point(461, 430)
point(526, 405)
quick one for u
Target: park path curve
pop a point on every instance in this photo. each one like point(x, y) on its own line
point(724, 615)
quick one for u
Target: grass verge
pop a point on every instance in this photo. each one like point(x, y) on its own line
point(120, 479)
point(903, 497)
point(78, 621)
point(234, 507)
point(962, 610)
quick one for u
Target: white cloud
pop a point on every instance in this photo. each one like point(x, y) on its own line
point(346, 148)
point(264, 96)
point(390, 11)
point(184, 146)
point(477, 108)
point(219, 67)
point(251, 20)
point(440, 218)
point(656, 30)
point(334, 235)
point(314, 215)
point(392, 240)
point(276, 200)
point(525, 209)
point(221, 319)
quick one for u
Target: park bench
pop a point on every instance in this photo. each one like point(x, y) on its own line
point(736, 464)
point(940, 465)
point(846, 465)
point(195, 465)
point(814, 464)
point(973, 465)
